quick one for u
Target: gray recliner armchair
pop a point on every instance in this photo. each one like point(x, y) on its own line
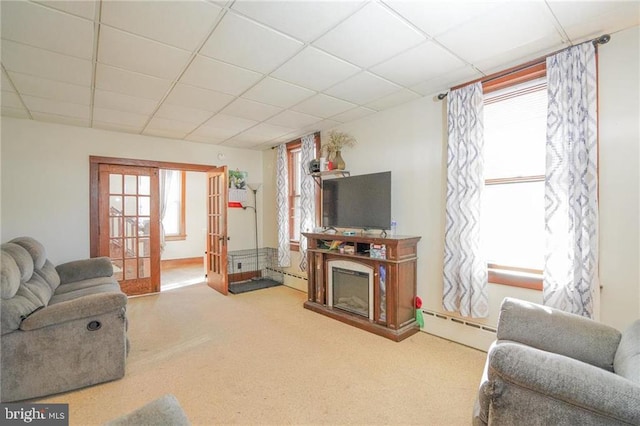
point(63, 327)
point(550, 367)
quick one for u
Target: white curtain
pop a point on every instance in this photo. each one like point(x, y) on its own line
point(307, 196)
point(282, 199)
point(166, 177)
point(571, 187)
point(465, 269)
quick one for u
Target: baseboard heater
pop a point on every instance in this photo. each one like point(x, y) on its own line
point(460, 321)
point(300, 277)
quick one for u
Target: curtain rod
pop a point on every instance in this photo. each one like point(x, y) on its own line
point(603, 39)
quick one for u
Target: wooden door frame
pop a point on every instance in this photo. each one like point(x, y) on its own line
point(94, 190)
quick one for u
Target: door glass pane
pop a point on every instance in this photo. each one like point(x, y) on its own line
point(144, 246)
point(131, 227)
point(117, 269)
point(115, 184)
point(115, 226)
point(144, 206)
point(130, 269)
point(130, 207)
point(144, 267)
point(144, 225)
point(144, 185)
point(130, 186)
point(115, 206)
point(130, 247)
point(115, 248)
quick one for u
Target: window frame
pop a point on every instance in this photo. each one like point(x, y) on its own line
point(503, 274)
point(292, 147)
point(182, 231)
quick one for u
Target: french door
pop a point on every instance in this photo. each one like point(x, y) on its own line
point(129, 226)
point(216, 254)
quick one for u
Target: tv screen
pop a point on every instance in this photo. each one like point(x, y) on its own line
point(357, 201)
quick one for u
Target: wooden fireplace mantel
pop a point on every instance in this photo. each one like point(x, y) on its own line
point(394, 309)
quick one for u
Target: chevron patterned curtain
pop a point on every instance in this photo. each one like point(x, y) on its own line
point(571, 186)
point(307, 196)
point(465, 269)
point(282, 199)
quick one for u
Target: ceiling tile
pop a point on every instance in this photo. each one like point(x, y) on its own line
point(84, 9)
point(277, 92)
point(121, 118)
point(11, 100)
point(594, 18)
point(420, 63)
point(374, 35)
point(196, 97)
point(46, 64)
point(165, 133)
point(43, 88)
point(224, 126)
point(141, 55)
point(182, 24)
point(49, 106)
point(323, 106)
point(46, 28)
point(439, 16)
point(121, 102)
point(116, 127)
point(130, 83)
point(7, 86)
point(60, 119)
point(305, 20)
point(181, 113)
point(293, 120)
point(168, 128)
point(242, 42)
point(444, 82)
point(258, 134)
point(353, 114)
point(215, 75)
point(393, 99)
point(510, 27)
point(315, 69)
point(250, 109)
point(203, 139)
point(362, 88)
point(15, 112)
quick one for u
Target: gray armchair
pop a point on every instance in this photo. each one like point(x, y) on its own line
point(551, 367)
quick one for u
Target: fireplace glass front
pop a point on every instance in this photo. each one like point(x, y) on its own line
point(351, 291)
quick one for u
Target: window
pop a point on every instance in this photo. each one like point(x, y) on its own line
point(173, 220)
point(513, 200)
point(296, 168)
point(294, 154)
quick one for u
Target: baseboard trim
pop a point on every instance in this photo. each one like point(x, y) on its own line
point(182, 263)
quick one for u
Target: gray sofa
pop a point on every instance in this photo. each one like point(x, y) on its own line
point(63, 327)
point(550, 367)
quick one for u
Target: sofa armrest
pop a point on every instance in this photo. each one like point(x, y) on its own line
point(556, 331)
point(82, 307)
point(85, 269)
point(576, 385)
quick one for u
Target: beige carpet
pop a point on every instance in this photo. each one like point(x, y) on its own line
point(260, 358)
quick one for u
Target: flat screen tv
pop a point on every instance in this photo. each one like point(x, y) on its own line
point(362, 201)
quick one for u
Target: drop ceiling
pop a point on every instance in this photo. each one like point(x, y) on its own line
point(251, 74)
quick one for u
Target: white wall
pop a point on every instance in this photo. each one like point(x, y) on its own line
point(410, 141)
point(45, 180)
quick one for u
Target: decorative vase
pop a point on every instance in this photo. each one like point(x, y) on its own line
point(338, 161)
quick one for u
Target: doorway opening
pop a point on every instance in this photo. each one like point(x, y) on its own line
point(127, 191)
